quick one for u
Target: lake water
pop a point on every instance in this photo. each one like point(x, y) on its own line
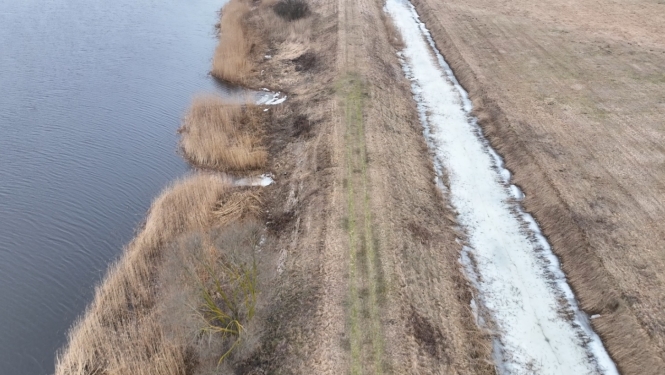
point(91, 94)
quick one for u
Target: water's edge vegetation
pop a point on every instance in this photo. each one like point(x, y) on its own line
point(184, 295)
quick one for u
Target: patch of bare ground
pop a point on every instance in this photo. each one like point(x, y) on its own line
point(571, 94)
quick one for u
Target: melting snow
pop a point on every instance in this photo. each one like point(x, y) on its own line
point(262, 180)
point(540, 328)
point(271, 99)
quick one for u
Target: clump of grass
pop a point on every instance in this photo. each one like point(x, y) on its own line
point(237, 205)
point(231, 61)
point(291, 10)
point(223, 136)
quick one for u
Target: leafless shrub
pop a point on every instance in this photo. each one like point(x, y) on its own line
point(130, 327)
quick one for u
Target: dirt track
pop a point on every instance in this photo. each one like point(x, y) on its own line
point(569, 94)
point(374, 284)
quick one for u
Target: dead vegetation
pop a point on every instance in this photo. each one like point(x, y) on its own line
point(251, 30)
point(247, 29)
point(231, 61)
point(184, 297)
point(291, 10)
point(160, 309)
point(223, 136)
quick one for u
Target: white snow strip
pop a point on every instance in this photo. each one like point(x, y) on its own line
point(262, 180)
point(540, 328)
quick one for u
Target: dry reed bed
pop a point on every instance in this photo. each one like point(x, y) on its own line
point(130, 327)
point(231, 61)
point(149, 314)
point(223, 136)
point(247, 29)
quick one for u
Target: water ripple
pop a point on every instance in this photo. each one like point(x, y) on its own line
point(93, 93)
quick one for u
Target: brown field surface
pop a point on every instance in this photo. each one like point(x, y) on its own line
point(572, 94)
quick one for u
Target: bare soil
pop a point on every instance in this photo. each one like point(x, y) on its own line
point(572, 95)
point(368, 258)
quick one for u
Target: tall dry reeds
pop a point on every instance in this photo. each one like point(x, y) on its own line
point(245, 29)
point(223, 136)
point(232, 62)
point(166, 306)
point(128, 328)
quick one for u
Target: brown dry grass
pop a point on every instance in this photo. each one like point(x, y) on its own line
point(248, 31)
point(143, 318)
point(151, 313)
point(287, 35)
point(232, 61)
point(236, 206)
point(223, 136)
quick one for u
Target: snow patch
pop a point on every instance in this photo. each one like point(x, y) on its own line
point(516, 192)
point(262, 180)
point(540, 327)
point(271, 98)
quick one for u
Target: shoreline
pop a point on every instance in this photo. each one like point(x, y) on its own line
point(128, 324)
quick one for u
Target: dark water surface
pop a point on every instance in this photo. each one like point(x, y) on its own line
point(91, 93)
